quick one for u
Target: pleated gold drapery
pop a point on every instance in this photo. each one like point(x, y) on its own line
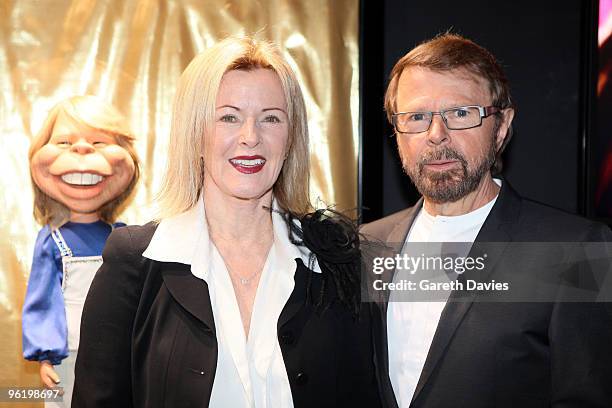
point(131, 53)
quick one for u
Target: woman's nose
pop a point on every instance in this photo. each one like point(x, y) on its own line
point(249, 134)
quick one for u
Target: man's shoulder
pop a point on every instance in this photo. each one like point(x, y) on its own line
point(543, 222)
point(380, 229)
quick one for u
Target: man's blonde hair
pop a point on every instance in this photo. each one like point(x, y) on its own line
point(96, 114)
point(193, 118)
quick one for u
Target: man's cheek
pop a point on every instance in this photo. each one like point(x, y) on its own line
point(403, 151)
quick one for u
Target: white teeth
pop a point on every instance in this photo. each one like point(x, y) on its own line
point(82, 179)
point(248, 163)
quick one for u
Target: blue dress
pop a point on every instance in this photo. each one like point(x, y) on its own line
point(45, 333)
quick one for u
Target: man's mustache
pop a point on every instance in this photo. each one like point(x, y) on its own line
point(444, 153)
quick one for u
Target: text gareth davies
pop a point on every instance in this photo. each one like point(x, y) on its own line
point(426, 285)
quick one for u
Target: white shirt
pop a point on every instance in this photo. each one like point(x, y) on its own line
point(411, 325)
point(250, 373)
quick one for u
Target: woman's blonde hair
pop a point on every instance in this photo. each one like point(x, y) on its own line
point(193, 117)
point(96, 114)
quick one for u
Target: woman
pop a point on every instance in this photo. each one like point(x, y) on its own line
point(237, 297)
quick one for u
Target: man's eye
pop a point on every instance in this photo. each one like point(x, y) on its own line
point(272, 119)
point(63, 143)
point(229, 118)
point(99, 144)
point(416, 117)
point(461, 113)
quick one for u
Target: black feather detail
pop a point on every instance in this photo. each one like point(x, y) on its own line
point(333, 239)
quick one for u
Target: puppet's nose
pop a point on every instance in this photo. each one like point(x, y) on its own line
point(82, 147)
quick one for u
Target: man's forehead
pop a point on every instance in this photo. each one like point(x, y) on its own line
point(425, 80)
point(460, 73)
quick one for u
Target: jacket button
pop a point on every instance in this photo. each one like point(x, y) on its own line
point(287, 338)
point(301, 378)
point(195, 371)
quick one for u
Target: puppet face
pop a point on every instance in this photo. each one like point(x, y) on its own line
point(81, 167)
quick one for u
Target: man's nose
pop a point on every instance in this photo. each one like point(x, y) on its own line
point(82, 146)
point(438, 132)
point(249, 134)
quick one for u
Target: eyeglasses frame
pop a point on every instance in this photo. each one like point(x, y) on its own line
point(484, 112)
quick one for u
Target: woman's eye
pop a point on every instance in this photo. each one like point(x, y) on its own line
point(272, 119)
point(229, 118)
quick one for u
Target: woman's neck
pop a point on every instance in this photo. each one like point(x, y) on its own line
point(238, 220)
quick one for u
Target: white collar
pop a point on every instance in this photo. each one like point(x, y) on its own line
point(184, 239)
point(473, 217)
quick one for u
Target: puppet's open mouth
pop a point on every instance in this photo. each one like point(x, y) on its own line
point(82, 179)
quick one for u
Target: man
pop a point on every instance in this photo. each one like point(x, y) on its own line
point(451, 108)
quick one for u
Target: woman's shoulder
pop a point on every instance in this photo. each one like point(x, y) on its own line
point(333, 238)
point(130, 239)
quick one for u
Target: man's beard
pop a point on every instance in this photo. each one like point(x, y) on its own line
point(452, 185)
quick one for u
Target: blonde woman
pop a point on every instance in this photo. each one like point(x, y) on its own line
point(238, 296)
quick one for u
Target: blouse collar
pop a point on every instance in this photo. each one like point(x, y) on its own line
point(184, 239)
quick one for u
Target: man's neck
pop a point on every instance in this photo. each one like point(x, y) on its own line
point(484, 193)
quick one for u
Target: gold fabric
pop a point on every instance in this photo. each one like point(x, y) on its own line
point(131, 53)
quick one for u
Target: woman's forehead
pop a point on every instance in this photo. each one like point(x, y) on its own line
point(260, 86)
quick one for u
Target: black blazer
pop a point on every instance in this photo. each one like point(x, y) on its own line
point(509, 354)
point(148, 337)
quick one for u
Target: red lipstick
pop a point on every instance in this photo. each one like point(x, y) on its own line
point(248, 164)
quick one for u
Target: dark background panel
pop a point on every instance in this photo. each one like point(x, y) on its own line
point(540, 45)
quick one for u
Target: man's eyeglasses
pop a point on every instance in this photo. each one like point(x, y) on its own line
point(459, 118)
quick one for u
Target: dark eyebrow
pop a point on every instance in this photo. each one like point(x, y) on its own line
point(269, 109)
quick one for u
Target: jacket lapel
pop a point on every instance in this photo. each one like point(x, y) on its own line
point(297, 299)
point(400, 232)
point(396, 236)
point(190, 292)
point(496, 229)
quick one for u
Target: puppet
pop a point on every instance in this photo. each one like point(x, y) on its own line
point(84, 168)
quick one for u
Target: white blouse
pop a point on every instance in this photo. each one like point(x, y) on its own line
point(250, 372)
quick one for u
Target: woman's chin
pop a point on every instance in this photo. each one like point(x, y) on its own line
point(248, 194)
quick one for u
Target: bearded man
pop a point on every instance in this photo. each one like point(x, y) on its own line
point(449, 102)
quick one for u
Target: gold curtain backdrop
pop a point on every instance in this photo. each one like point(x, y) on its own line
point(131, 53)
